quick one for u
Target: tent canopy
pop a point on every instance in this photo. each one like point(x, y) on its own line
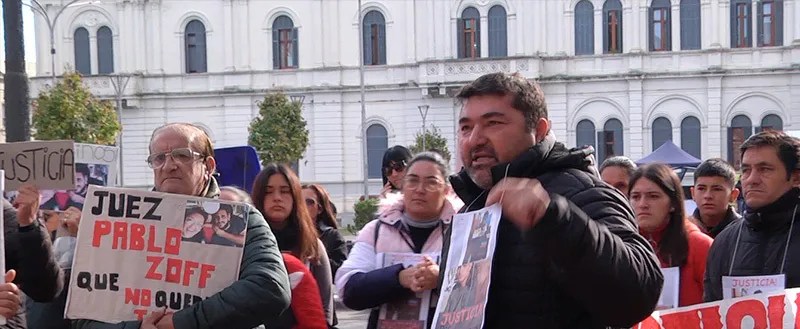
point(237, 166)
point(670, 154)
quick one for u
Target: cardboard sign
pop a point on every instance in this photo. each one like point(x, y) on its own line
point(47, 164)
point(775, 310)
point(94, 165)
point(405, 313)
point(138, 252)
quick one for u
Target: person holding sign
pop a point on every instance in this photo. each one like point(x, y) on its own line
point(762, 252)
point(410, 222)
point(182, 159)
point(568, 252)
point(657, 198)
point(29, 260)
point(277, 194)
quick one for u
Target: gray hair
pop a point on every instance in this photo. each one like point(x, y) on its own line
point(240, 194)
point(619, 161)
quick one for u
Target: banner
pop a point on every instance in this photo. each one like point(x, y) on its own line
point(775, 310)
point(47, 164)
point(94, 165)
point(139, 252)
point(462, 301)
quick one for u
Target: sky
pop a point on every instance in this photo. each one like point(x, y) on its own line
point(30, 38)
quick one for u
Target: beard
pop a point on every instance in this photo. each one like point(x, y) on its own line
point(481, 177)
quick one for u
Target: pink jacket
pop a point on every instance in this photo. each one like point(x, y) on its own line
point(362, 257)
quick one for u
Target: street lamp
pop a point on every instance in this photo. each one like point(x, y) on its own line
point(423, 111)
point(298, 99)
point(51, 23)
point(120, 82)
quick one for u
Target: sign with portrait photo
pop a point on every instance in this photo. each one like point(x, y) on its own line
point(140, 251)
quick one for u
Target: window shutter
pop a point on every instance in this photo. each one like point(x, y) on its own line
point(779, 22)
point(601, 147)
point(760, 27)
point(381, 43)
point(276, 49)
point(650, 24)
point(295, 48)
point(460, 38)
point(366, 35)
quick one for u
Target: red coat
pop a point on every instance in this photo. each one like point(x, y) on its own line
point(306, 302)
point(691, 280)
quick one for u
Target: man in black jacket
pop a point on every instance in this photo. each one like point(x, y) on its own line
point(757, 245)
point(568, 250)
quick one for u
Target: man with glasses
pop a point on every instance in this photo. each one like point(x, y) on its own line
point(182, 159)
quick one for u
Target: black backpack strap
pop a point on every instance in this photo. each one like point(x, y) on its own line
point(377, 230)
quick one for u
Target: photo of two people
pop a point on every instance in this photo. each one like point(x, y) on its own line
point(214, 223)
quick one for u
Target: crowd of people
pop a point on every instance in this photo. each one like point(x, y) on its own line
point(579, 245)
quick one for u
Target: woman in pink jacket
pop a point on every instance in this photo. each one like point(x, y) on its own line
point(412, 223)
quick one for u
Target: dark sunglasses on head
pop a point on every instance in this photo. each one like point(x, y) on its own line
point(395, 166)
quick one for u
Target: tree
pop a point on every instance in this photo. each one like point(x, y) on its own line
point(69, 111)
point(365, 211)
point(433, 141)
point(279, 133)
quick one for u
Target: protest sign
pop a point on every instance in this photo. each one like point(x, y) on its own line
point(47, 164)
point(406, 313)
point(139, 252)
point(741, 286)
point(775, 310)
point(462, 301)
point(94, 165)
point(670, 293)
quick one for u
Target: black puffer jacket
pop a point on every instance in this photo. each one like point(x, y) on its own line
point(583, 266)
point(764, 234)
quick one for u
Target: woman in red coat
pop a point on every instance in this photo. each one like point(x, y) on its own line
point(657, 198)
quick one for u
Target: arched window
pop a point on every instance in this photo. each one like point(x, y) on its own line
point(690, 24)
point(660, 26)
point(609, 141)
point(105, 51)
point(195, 40)
point(374, 30)
point(662, 132)
point(83, 57)
point(377, 143)
point(584, 28)
point(612, 27)
point(284, 43)
point(469, 34)
point(585, 133)
point(741, 24)
point(690, 136)
point(771, 122)
point(741, 128)
point(498, 36)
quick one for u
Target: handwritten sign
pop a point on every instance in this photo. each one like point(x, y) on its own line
point(139, 252)
point(47, 164)
point(774, 310)
point(94, 165)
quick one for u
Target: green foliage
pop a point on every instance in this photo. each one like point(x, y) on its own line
point(433, 141)
point(279, 132)
point(69, 111)
point(365, 211)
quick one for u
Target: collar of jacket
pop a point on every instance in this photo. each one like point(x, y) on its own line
point(391, 208)
point(774, 215)
point(730, 216)
point(211, 190)
point(547, 155)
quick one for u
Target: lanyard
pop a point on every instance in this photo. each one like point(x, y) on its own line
point(785, 249)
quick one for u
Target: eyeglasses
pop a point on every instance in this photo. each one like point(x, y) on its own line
point(430, 185)
point(310, 202)
point(394, 166)
point(181, 155)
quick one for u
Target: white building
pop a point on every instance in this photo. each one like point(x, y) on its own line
point(625, 73)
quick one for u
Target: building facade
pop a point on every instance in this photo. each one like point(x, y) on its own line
point(622, 75)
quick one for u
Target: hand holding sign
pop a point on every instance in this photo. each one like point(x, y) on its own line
point(72, 218)
point(150, 321)
point(427, 275)
point(165, 322)
point(524, 201)
point(9, 296)
point(27, 204)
